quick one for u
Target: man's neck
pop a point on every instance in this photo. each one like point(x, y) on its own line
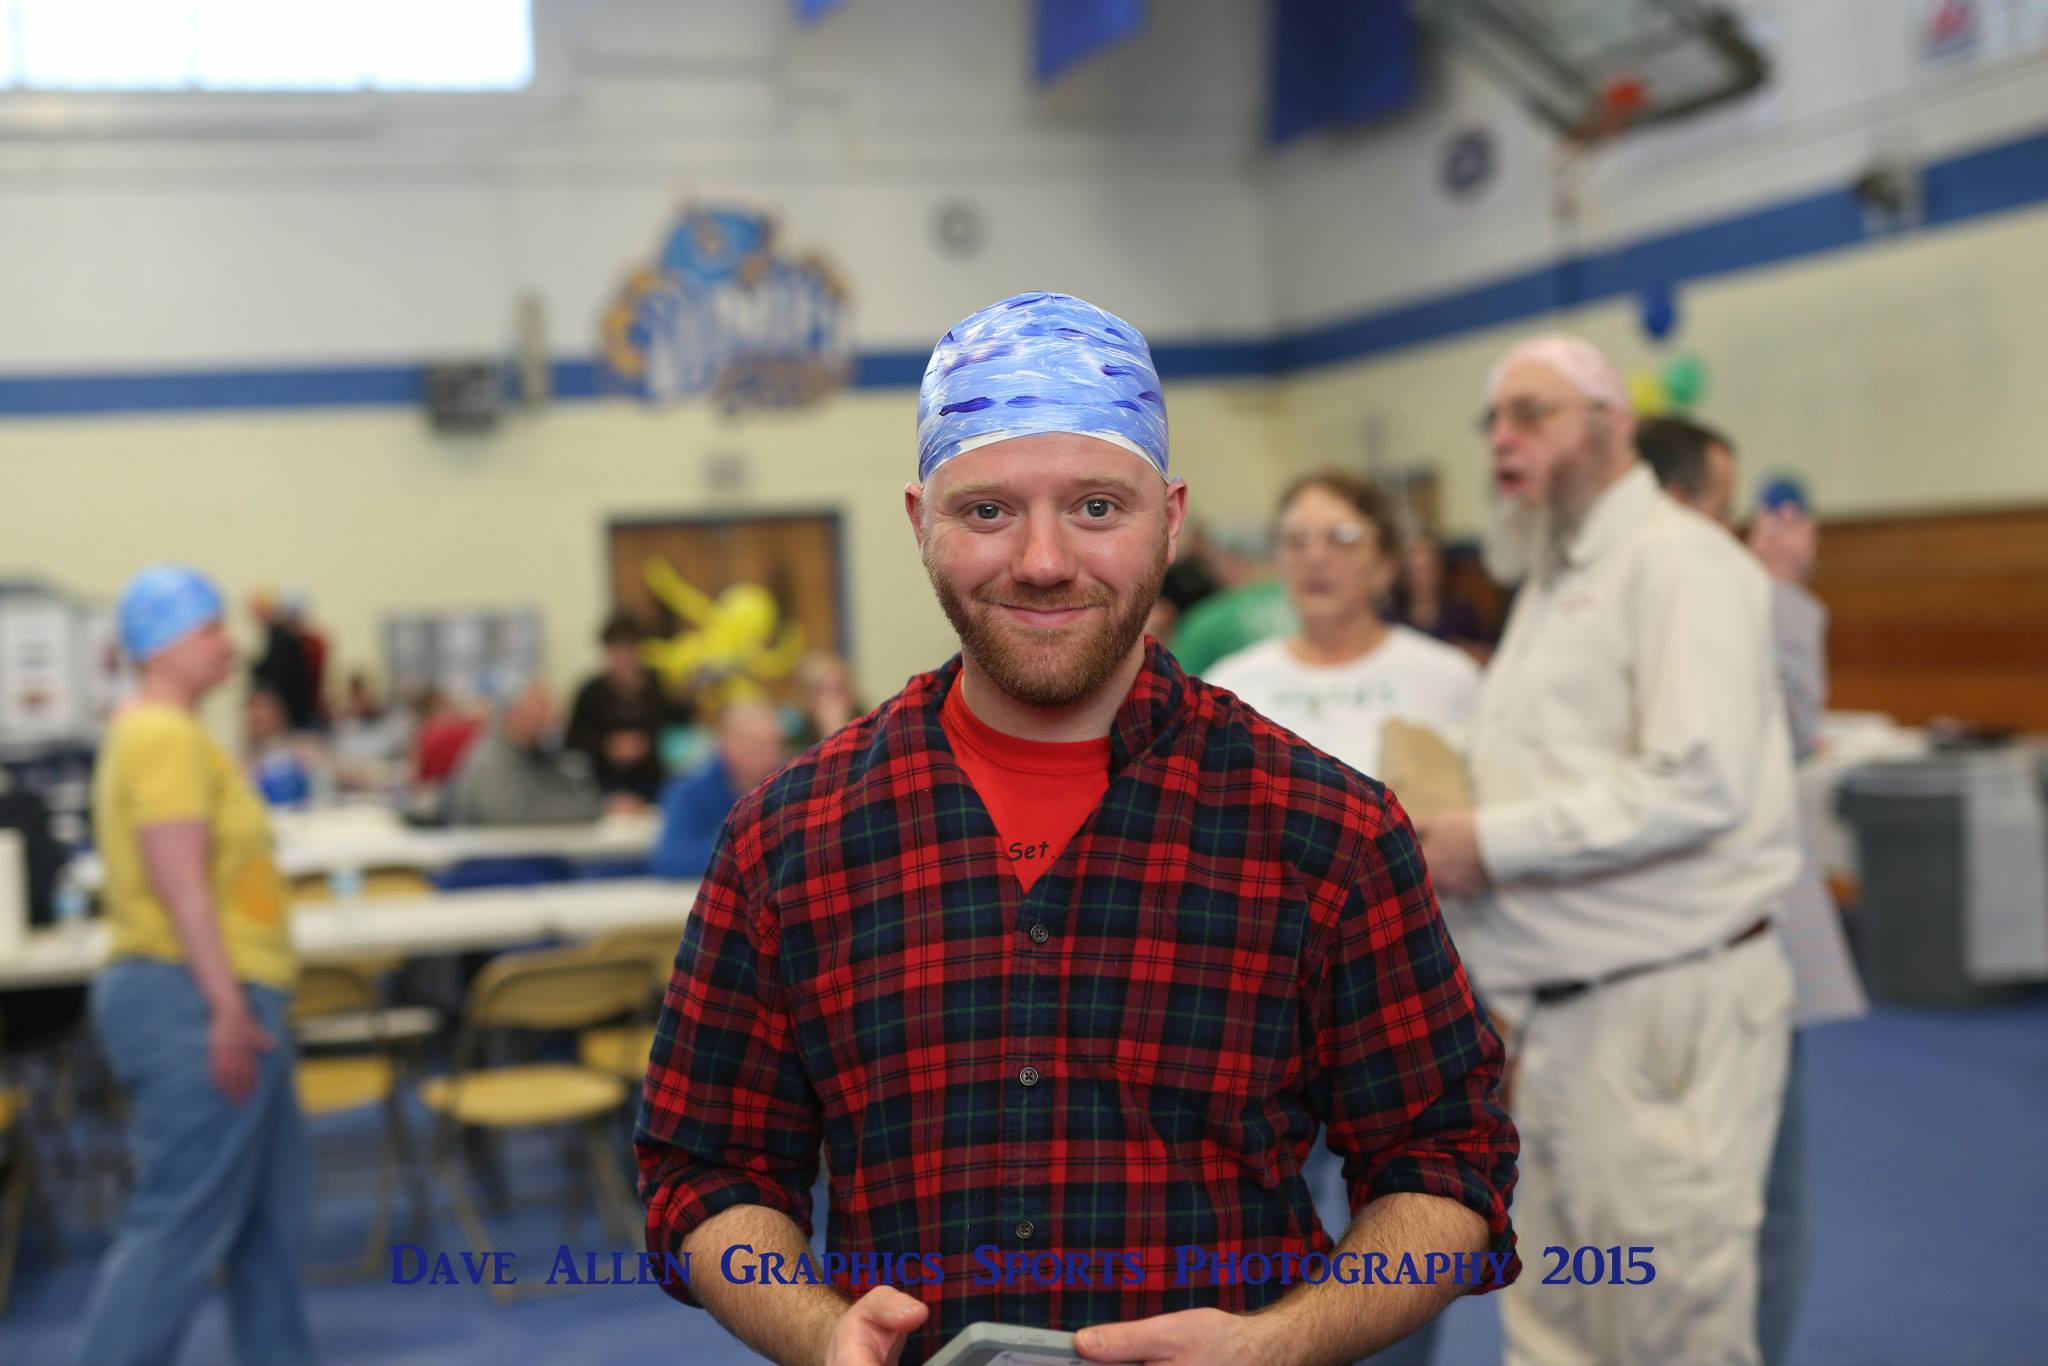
point(164, 691)
point(1339, 641)
point(1568, 521)
point(1575, 513)
point(1088, 719)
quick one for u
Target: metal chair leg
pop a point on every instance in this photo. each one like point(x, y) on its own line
point(466, 1214)
point(410, 1171)
point(13, 1214)
point(617, 1208)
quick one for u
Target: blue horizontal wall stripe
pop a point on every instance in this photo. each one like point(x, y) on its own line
point(1993, 180)
point(324, 386)
point(889, 369)
point(2012, 175)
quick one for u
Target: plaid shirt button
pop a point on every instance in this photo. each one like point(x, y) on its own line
point(1025, 1228)
point(1039, 934)
point(1029, 1076)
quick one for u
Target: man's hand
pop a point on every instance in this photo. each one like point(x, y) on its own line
point(232, 1043)
point(1787, 541)
point(872, 1330)
point(1450, 846)
point(1193, 1337)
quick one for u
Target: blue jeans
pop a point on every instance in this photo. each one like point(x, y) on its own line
point(1325, 1176)
point(218, 1185)
point(1784, 1240)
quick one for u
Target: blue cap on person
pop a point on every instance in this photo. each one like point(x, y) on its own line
point(162, 605)
point(1038, 363)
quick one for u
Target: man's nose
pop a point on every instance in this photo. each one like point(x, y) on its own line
point(1045, 557)
point(1501, 437)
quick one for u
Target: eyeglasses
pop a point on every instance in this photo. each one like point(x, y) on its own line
point(1342, 536)
point(1526, 415)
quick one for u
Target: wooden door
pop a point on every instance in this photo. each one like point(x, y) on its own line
point(798, 558)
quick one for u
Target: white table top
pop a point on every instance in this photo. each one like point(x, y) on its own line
point(1848, 739)
point(356, 838)
point(445, 922)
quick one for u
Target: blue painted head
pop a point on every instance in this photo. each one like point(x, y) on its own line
point(162, 605)
point(1038, 363)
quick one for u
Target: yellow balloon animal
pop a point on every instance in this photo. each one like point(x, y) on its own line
point(730, 646)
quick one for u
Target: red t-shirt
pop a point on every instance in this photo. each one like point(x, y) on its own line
point(1037, 792)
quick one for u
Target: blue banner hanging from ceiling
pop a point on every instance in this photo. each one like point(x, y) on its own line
point(721, 313)
point(1340, 62)
point(811, 11)
point(1070, 31)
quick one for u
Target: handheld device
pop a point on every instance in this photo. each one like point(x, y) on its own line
point(1004, 1344)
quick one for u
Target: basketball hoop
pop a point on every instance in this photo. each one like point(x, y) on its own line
point(1596, 69)
point(1621, 101)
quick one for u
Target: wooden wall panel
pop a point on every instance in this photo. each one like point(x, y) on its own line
point(1941, 615)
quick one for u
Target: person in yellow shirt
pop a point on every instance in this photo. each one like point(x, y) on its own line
point(191, 1008)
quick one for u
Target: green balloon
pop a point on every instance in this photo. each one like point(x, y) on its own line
point(1685, 380)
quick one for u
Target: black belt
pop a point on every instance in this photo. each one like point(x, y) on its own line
point(1551, 993)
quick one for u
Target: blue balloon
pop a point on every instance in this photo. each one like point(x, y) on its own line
point(1659, 310)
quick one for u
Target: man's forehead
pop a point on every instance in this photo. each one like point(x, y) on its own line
point(1531, 377)
point(1036, 463)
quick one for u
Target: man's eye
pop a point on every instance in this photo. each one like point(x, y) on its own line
point(1098, 507)
point(987, 512)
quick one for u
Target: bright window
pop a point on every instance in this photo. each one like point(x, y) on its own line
point(284, 45)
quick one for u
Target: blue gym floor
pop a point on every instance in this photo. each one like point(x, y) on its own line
point(1928, 1164)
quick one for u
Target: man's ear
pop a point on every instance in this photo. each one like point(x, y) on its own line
point(913, 507)
point(1176, 516)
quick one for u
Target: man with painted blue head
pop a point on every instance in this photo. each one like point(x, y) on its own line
point(190, 1010)
point(1064, 956)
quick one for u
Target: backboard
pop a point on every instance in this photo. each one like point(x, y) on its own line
point(1594, 68)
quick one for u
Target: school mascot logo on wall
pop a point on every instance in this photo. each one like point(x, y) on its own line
point(722, 313)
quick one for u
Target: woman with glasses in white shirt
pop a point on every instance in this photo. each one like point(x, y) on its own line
point(1337, 681)
point(1348, 670)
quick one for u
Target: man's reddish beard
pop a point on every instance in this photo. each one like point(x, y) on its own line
point(1028, 669)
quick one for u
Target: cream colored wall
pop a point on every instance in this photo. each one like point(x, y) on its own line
point(370, 513)
point(1904, 377)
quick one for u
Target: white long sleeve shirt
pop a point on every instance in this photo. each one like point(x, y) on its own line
point(1630, 758)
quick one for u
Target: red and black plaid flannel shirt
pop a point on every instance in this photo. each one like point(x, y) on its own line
point(1132, 1057)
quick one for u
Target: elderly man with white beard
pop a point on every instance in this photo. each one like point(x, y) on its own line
point(1634, 836)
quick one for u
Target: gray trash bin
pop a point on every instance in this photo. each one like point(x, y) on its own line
point(1910, 845)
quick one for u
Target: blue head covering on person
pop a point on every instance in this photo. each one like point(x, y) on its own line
point(162, 605)
point(1038, 363)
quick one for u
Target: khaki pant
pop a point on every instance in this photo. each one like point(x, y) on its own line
point(1647, 1110)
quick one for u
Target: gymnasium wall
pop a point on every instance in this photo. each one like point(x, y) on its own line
point(1890, 365)
point(1323, 303)
point(155, 262)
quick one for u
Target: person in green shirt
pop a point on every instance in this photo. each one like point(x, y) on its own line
point(1235, 619)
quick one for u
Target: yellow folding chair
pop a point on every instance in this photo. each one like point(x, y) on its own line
point(622, 1050)
point(550, 990)
point(399, 1028)
point(355, 1072)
